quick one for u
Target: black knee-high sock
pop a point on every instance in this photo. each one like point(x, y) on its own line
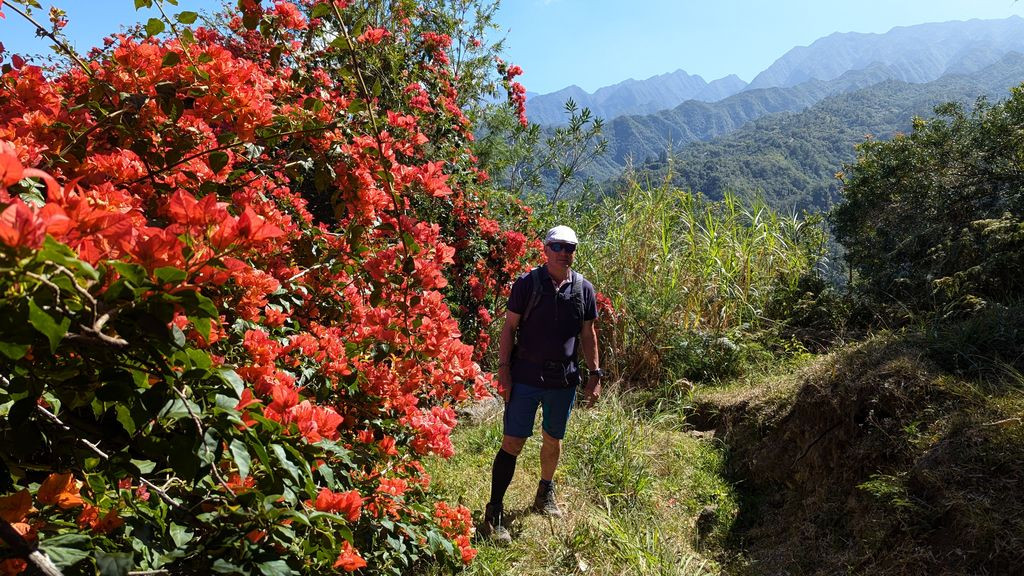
point(501, 476)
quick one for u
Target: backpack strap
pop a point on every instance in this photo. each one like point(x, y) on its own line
point(577, 297)
point(534, 294)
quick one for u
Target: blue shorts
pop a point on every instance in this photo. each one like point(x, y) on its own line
point(556, 404)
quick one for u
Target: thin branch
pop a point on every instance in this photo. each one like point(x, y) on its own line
point(49, 34)
point(174, 29)
point(97, 451)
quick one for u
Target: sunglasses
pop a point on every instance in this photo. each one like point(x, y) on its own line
point(559, 246)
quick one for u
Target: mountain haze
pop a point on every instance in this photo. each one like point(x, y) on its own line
point(632, 96)
point(918, 54)
point(788, 132)
point(636, 139)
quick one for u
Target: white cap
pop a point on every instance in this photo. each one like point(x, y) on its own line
point(561, 234)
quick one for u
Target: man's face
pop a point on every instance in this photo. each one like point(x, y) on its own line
point(560, 253)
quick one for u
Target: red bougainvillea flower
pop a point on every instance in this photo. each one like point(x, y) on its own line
point(14, 507)
point(12, 171)
point(349, 560)
point(348, 504)
point(90, 518)
point(373, 35)
point(60, 489)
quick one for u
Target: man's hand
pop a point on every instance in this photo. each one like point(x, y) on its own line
point(504, 382)
point(592, 391)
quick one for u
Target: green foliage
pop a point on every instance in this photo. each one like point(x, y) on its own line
point(531, 159)
point(933, 221)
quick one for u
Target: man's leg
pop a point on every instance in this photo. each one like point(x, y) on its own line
point(557, 407)
point(550, 451)
point(518, 426)
point(504, 468)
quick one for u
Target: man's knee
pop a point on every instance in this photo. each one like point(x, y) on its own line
point(512, 444)
point(550, 440)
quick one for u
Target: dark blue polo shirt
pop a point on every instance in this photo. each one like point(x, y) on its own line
point(546, 341)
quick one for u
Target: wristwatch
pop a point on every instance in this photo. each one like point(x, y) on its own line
point(598, 372)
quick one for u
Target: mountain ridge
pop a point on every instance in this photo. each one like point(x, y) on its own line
point(919, 53)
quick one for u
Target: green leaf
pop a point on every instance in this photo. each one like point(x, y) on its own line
point(177, 408)
point(44, 323)
point(211, 449)
point(250, 21)
point(154, 26)
point(144, 466)
point(12, 350)
point(171, 59)
point(222, 566)
point(66, 550)
point(114, 563)
point(132, 272)
point(187, 17)
point(196, 302)
point(218, 160)
point(170, 275)
point(282, 457)
point(319, 11)
point(124, 417)
point(203, 326)
point(261, 453)
point(180, 534)
point(276, 568)
point(241, 456)
point(58, 253)
point(143, 4)
point(233, 379)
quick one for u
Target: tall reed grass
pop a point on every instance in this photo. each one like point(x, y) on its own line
point(690, 279)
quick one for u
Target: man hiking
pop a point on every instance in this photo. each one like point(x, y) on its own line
point(550, 317)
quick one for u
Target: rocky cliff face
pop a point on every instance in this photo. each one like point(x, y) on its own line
point(914, 53)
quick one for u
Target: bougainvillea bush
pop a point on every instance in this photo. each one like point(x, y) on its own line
point(246, 272)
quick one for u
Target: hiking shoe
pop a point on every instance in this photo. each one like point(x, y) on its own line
point(545, 503)
point(494, 525)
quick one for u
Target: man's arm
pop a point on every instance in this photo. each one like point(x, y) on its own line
point(506, 342)
point(593, 388)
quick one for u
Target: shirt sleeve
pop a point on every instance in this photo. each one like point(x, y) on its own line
point(589, 302)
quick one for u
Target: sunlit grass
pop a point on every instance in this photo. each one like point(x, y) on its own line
point(630, 488)
point(691, 280)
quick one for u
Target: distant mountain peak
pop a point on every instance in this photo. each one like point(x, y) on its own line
point(631, 96)
point(919, 53)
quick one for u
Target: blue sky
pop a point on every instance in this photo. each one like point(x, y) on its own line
point(594, 43)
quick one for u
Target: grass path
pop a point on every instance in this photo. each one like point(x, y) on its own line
point(631, 485)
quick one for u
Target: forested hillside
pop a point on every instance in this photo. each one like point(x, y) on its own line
point(792, 159)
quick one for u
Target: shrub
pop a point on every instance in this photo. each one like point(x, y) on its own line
point(933, 221)
point(227, 327)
